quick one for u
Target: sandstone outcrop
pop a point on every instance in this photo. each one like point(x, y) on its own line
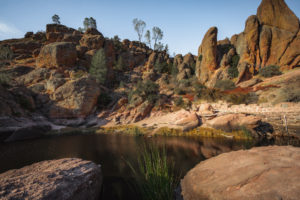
point(68, 178)
point(74, 99)
point(271, 37)
point(56, 55)
point(260, 173)
point(207, 56)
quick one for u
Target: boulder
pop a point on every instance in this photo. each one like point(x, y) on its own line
point(208, 53)
point(185, 66)
point(92, 39)
point(76, 98)
point(185, 120)
point(260, 173)
point(230, 122)
point(56, 55)
point(63, 179)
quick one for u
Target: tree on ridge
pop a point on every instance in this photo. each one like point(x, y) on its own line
point(139, 26)
point(55, 19)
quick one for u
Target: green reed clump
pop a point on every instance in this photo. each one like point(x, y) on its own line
point(155, 177)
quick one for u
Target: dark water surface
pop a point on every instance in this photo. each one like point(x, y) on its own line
point(112, 152)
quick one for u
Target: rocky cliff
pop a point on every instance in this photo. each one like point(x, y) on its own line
point(271, 37)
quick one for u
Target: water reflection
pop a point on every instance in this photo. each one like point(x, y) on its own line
point(111, 151)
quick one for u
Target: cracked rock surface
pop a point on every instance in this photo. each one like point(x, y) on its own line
point(271, 172)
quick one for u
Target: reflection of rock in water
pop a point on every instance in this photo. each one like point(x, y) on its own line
point(212, 147)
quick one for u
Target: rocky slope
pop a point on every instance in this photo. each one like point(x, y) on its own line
point(45, 79)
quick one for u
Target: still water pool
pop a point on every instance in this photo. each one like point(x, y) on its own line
point(114, 152)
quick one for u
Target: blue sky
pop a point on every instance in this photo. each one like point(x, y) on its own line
point(184, 22)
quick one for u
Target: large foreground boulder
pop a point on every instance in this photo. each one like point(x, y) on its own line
point(260, 173)
point(63, 179)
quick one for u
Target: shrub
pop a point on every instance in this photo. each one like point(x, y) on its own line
point(98, 67)
point(241, 98)
point(5, 79)
point(233, 71)
point(163, 67)
point(179, 101)
point(179, 91)
point(117, 42)
point(5, 53)
point(193, 68)
point(198, 87)
point(224, 85)
point(155, 176)
point(147, 90)
point(209, 94)
point(200, 58)
point(224, 48)
point(270, 71)
point(174, 70)
point(120, 64)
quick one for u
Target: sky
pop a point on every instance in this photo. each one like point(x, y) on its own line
point(183, 22)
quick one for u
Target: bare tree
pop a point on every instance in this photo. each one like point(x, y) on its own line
point(157, 35)
point(139, 26)
point(148, 38)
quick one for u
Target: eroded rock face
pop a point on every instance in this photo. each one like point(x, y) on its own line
point(74, 99)
point(208, 53)
point(260, 173)
point(270, 38)
point(56, 55)
point(92, 39)
point(276, 13)
point(68, 178)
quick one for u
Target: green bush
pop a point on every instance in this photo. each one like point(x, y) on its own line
point(117, 42)
point(241, 98)
point(174, 70)
point(270, 71)
point(233, 71)
point(179, 91)
point(163, 67)
point(5, 53)
point(200, 58)
point(5, 79)
point(119, 65)
point(147, 90)
point(98, 68)
point(179, 101)
point(224, 85)
point(224, 48)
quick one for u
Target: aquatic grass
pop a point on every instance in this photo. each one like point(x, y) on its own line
point(239, 134)
point(124, 129)
point(155, 177)
point(242, 133)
